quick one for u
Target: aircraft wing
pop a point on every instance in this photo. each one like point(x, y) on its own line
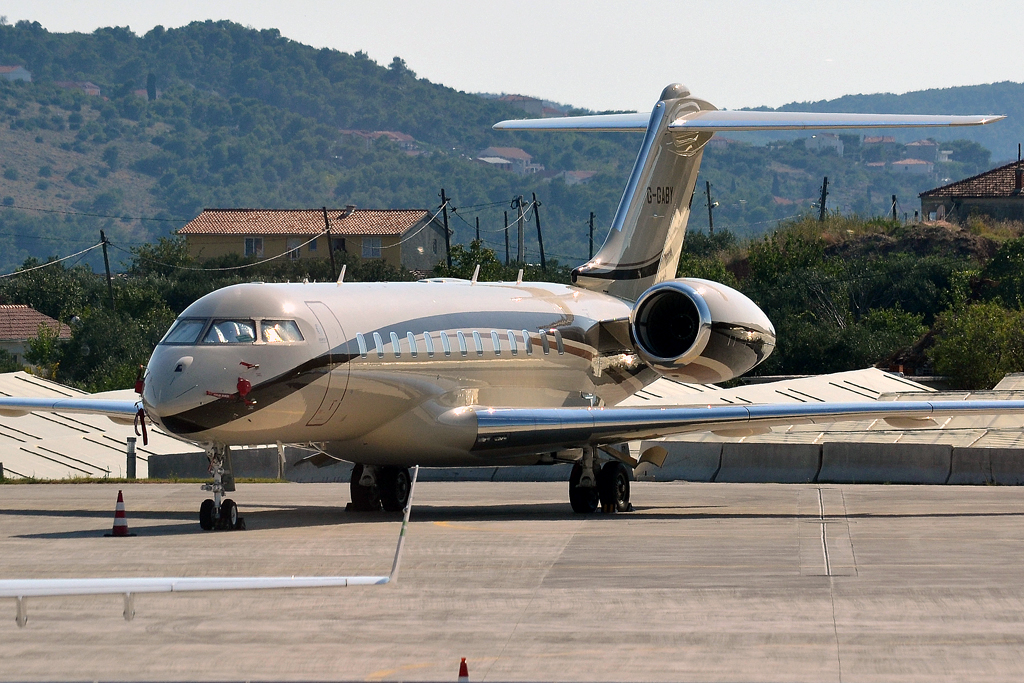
point(118, 410)
point(738, 121)
point(522, 430)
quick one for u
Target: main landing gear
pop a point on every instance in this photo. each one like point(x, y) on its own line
point(591, 484)
point(220, 513)
point(373, 487)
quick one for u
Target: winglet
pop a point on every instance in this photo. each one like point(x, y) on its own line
point(393, 576)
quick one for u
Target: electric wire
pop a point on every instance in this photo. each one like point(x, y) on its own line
point(54, 262)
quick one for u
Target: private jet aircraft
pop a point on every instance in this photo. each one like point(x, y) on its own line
point(447, 372)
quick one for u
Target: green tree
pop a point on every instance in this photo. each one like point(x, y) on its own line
point(978, 344)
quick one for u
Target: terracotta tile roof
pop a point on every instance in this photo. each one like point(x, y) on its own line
point(8, 69)
point(506, 153)
point(999, 182)
point(20, 322)
point(303, 221)
point(879, 140)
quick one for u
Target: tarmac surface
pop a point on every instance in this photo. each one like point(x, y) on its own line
point(703, 582)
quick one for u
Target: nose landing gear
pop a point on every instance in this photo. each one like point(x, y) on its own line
point(220, 513)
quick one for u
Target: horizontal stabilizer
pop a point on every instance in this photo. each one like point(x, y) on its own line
point(738, 121)
point(790, 120)
point(636, 123)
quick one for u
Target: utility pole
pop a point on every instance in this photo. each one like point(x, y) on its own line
point(106, 264)
point(711, 218)
point(447, 235)
point(330, 246)
point(478, 228)
point(821, 202)
point(517, 203)
point(506, 238)
point(591, 235)
point(894, 217)
point(540, 238)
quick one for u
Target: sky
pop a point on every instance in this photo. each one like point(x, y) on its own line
point(604, 55)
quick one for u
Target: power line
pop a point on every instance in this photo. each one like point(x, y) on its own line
point(50, 263)
point(95, 215)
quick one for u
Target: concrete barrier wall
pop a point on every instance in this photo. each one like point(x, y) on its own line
point(885, 463)
point(1007, 465)
point(686, 461)
point(770, 462)
point(971, 466)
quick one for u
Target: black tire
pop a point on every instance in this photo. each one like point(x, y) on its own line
point(582, 499)
point(364, 498)
point(206, 520)
point(394, 485)
point(613, 487)
point(228, 514)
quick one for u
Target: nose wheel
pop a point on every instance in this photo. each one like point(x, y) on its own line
point(219, 513)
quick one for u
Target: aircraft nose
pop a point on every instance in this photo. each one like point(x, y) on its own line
point(171, 381)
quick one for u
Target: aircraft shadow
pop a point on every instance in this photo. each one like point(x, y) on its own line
point(308, 516)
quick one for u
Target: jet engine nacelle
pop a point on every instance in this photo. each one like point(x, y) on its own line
point(699, 331)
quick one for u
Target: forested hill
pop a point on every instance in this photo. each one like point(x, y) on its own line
point(249, 118)
point(1006, 98)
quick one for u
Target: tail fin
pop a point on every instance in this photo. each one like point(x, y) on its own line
point(646, 236)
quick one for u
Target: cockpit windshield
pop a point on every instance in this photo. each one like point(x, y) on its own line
point(231, 332)
point(280, 331)
point(184, 331)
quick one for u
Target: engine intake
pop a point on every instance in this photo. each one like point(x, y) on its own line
point(671, 324)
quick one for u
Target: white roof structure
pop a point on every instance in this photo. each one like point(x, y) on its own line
point(63, 446)
point(980, 431)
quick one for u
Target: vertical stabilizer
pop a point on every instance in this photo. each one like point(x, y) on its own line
point(646, 236)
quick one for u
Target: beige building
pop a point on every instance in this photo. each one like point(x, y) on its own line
point(996, 193)
point(20, 323)
point(409, 238)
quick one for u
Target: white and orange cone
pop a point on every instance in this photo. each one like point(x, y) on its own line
point(463, 672)
point(120, 520)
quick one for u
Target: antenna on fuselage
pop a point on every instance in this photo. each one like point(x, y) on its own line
point(476, 273)
point(341, 278)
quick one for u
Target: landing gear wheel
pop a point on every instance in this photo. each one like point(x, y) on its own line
point(364, 498)
point(395, 484)
point(206, 520)
point(582, 499)
point(613, 487)
point(228, 514)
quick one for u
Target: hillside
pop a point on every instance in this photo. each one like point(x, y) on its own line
point(250, 118)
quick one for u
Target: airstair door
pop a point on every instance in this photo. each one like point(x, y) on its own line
point(332, 337)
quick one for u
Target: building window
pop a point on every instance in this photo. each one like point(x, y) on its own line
point(371, 247)
point(312, 245)
point(339, 244)
point(254, 246)
point(293, 244)
point(435, 243)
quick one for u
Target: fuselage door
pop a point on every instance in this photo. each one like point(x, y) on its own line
point(331, 336)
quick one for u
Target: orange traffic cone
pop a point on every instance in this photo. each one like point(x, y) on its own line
point(120, 520)
point(463, 672)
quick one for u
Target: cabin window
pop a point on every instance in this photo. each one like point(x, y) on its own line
point(528, 343)
point(413, 351)
point(558, 341)
point(371, 247)
point(462, 343)
point(544, 343)
point(478, 345)
point(429, 343)
point(184, 331)
point(496, 343)
point(445, 345)
point(512, 342)
point(280, 331)
point(379, 343)
point(231, 332)
point(254, 246)
point(396, 346)
point(362, 344)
